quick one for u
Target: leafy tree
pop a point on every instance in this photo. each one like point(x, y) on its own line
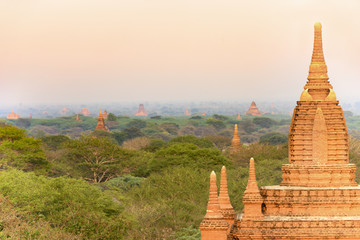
point(137, 143)
point(98, 158)
point(137, 123)
point(156, 117)
point(69, 204)
point(221, 142)
point(247, 126)
point(264, 122)
point(167, 202)
point(155, 144)
point(112, 117)
point(200, 142)
point(187, 155)
point(20, 151)
point(196, 117)
point(132, 132)
point(55, 141)
point(171, 128)
point(218, 124)
point(274, 138)
point(125, 183)
point(23, 123)
point(220, 117)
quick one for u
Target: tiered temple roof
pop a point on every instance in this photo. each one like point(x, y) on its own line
point(141, 111)
point(13, 115)
point(187, 113)
point(253, 110)
point(318, 197)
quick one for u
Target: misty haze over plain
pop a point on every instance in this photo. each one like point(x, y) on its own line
point(113, 51)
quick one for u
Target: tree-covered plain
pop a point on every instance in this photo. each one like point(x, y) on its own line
point(146, 179)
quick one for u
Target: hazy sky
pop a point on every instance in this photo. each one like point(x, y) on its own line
point(54, 51)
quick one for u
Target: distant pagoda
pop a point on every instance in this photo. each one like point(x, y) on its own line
point(105, 114)
point(235, 143)
point(85, 112)
point(253, 110)
point(141, 111)
point(13, 115)
point(187, 113)
point(101, 123)
point(238, 117)
point(77, 117)
point(64, 111)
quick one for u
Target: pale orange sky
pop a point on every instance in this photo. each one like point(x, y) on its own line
point(54, 51)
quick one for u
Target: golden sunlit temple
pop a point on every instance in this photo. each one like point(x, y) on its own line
point(318, 197)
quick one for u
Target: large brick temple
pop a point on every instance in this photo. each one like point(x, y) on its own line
point(318, 197)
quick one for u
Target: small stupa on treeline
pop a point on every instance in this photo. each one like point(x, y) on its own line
point(105, 114)
point(203, 114)
point(235, 142)
point(253, 110)
point(318, 197)
point(141, 111)
point(85, 112)
point(77, 117)
point(101, 123)
point(238, 117)
point(187, 113)
point(13, 115)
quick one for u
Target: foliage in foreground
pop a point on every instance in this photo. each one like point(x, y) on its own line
point(73, 205)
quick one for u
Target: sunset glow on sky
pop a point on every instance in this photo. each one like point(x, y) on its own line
point(143, 50)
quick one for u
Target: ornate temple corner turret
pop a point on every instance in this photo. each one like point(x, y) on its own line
point(213, 226)
point(252, 199)
point(101, 123)
point(226, 208)
point(235, 142)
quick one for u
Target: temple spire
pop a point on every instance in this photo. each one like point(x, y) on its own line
point(235, 142)
point(225, 206)
point(213, 226)
point(101, 123)
point(252, 199)
point(318, 85)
